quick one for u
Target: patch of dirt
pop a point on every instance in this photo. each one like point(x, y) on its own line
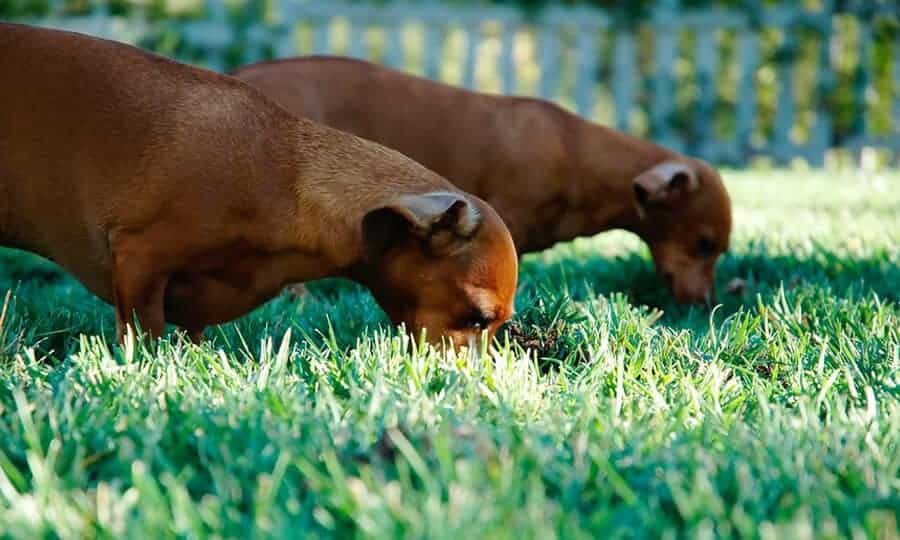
point(532, 337)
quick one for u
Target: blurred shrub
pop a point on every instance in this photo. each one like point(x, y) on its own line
point(859, 94)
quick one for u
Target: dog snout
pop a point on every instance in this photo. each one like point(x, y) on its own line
point(470, 342)
point(693, 292)
point(702, 297)
point(690, 283)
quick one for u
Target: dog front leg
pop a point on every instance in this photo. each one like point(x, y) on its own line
point(196, 335)
point(138, 292)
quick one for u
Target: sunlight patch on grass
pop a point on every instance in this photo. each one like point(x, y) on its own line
point(602, 409)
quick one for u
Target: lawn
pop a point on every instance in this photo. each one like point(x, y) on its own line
point(602, 411)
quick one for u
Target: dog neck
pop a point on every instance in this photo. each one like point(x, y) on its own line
point(603, 165)
point(340, 179)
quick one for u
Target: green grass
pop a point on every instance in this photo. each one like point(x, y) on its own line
point(776, 416)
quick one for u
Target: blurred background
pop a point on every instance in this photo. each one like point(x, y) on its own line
point(733, 81)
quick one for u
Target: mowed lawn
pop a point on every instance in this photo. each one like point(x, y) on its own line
point(602, 411)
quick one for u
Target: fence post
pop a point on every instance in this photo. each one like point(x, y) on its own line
point(137, 20)
point(861, 79)
point(623, 78)
point(434, 50)
point(357, 30)
point(748, 52)
point(896, 65)
point(584, 78)
point(665, 43)
point(549, 42)
point(214, 34)
point(783, 147)
point(706, 58)
point(100, 18)
point(895, 109)
point(394, 55)
point(507, 52)
point(473, 40)
point(321, 35)
point(820, 139)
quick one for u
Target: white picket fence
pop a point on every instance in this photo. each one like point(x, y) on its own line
point(576, 56)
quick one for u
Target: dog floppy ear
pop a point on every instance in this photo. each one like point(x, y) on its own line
point(664, 183)
point(445, 220)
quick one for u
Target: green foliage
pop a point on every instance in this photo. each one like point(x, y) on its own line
point(858, 92)
point(626, 416)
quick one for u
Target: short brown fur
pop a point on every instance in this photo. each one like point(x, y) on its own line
point(550, 175)
point(185, 196)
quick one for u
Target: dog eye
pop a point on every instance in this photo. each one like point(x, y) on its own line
point(706, 247)
point(478, 320)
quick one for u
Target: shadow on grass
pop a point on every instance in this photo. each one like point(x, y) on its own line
point(51, 308)
point(550, 322)
point(757, 273)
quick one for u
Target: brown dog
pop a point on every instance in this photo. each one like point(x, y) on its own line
point(185, 196)
point(551, 175)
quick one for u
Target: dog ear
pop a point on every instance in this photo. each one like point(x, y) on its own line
point(445, 220)
point(665, 183)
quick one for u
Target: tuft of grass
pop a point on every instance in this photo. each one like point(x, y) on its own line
point(602, 409)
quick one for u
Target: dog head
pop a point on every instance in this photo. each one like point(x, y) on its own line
point(443, 262)
point(685, 216)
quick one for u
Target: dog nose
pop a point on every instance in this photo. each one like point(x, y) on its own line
point(706, 298)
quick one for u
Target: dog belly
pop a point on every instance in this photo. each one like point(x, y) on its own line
point(196, 301)
point(220, 287)
point(76, 253)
